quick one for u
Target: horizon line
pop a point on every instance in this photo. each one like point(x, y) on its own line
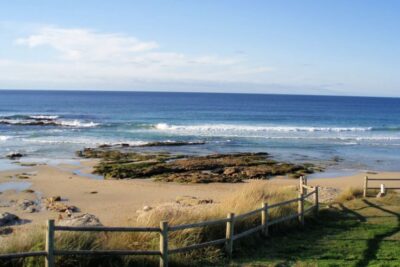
point(191, 92)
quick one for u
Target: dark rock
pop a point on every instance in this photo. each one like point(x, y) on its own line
point(30, 191)
point(26, 204)
point(104, 146)
point(8, 219)
point(15, 155)
point(6, 231)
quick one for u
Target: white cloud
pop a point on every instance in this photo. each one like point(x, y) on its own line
point(83, 44)
point(90, 59)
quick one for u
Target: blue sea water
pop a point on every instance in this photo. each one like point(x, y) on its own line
point(364, 132)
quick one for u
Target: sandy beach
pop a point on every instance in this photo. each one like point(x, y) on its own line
point(116, 202)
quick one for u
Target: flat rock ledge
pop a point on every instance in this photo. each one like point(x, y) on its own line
point(80, 220)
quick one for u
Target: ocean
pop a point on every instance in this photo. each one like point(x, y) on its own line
point(359, 133)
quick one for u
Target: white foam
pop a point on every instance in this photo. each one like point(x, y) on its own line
point(4, 137)
point(77, 123)
point(252, 128)
point(44, 117)
point(65, 123)
point(80, 141)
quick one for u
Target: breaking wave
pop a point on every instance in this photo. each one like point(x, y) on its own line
point(45, 120)
point(250, 128)
point(4, 137)
point(341, 134)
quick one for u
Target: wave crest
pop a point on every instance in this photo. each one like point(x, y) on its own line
point(45, 120)
point(4, 137)
point(250, 128)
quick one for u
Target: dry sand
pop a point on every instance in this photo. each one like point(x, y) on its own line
point(117, 201)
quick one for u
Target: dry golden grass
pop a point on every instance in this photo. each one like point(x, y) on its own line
point(246, 199)
point(350, 194)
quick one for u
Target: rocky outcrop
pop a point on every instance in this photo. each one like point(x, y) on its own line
point(14, 155)
point(80, 220)
point(222, 168)
point(8, 219)
point(28, 205)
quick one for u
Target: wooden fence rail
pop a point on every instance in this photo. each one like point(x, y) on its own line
point(164, 251)
point(367, 187)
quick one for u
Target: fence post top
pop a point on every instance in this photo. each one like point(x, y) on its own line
point(163, 223)
point(231, 215)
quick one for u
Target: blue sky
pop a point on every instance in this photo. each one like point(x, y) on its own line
point(333, 47)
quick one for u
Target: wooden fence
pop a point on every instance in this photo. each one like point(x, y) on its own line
point(305, 192)
point(367, 184)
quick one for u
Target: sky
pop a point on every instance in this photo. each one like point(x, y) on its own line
point(326, 47)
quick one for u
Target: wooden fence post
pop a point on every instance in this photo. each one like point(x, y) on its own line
point(300, 209)
point(316, 199)
point(230, 224)
point(264, 219)
point(301, 188)
point(164, 244)
point(49, 261)
point(365, 186)
point(305, 182)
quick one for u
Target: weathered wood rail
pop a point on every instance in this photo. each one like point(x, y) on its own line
point(164, 229)
point(367, 184)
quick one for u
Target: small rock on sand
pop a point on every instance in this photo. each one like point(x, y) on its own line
point(146, 208)
point(192, 201)
point(27, 205)
point(6, 231)
point(54, 203)
point(53, 199)
point(81, 220)
point(8, 219)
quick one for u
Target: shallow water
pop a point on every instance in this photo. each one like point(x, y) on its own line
point(363, 132)
point(88, 175)
point(17, 186)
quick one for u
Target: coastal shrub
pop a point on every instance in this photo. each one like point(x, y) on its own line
point(243, 200)
point(350, 194)
point(23, 241)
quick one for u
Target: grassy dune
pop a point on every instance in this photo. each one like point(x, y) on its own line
point(248, 198)
point(356, 232)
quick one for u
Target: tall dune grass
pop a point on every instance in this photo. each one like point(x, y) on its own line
point(350, 193)
point(248, 198)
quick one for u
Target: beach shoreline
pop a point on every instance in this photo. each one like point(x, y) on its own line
point(117, 202)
